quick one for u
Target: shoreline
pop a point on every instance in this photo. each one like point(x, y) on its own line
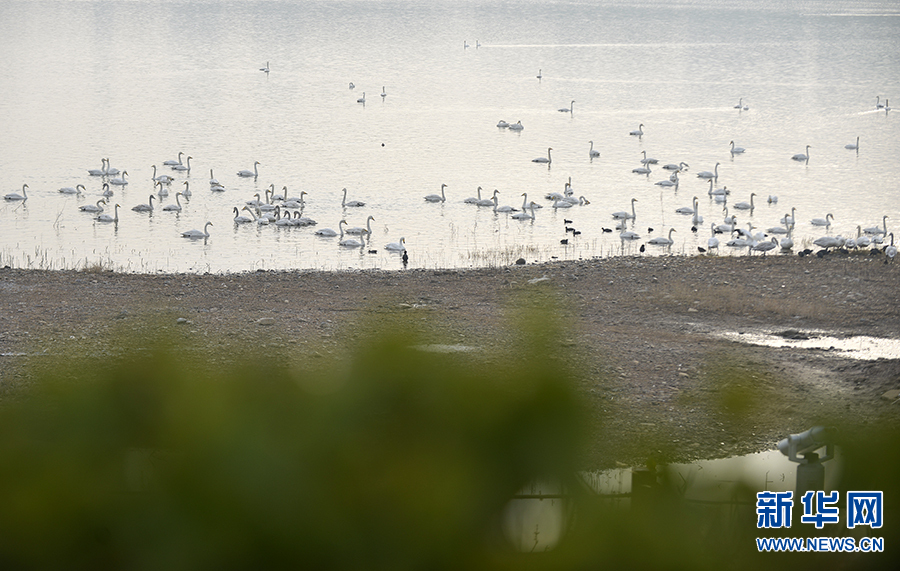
point(639, 333)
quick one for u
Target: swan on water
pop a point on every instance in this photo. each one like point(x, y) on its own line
point(623, 215)
point(707, 174)
point(525, 215)
point(517, 126)
point(108, 218)
point(146, 207)
point(639, 132)
point(238, 219)
point(827, 242)
point(542, 159)
point(682, 166)
point(672, 181)
point(198, 233)
point(246, 173)
point(569, 109)
point(362, 99)
point(163, 178)
point(789, 219)
point(98, 207)
point(183, 168)
point(773, 199)
point(347, 242)
point(660, 241)
point(358, 230)
point(326, 232)
point(170, 162)
point(265, 69)
point(822, 221)
point(473, 199)
point(629, 235)
point(853, 146)
point(648, 161)
point(69, 190)
point(351, 203)
point(16, 195)
point(396, 246)
point(502, 208)
point(540, 74)
point(101, 171)
point(875, 230)
point(592, 153)
point(740, 104)
point(713, 241)
point(110, 171)
point(878, 103)
point(120, 181)
point(525, 202)
point(107, 192)
point(187, 190)
point(736, 150)
point(487, 201)
point(562, 203)
point(802, 156)
point(213, 181)
point(437, 197)
point(502, 124)
point(163, 189)
point(352, 86)
point(174, 207)
point(764, 246)
point(641, 170)
point(746, 205)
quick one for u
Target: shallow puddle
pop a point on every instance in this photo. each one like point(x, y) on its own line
point(854, 347)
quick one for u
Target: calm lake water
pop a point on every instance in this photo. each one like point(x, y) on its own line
point(140, 81)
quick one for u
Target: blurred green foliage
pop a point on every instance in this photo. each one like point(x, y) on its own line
point(387, 457)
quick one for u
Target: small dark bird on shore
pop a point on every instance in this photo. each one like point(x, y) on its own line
point(564, 241)
point(566, 221)
point(649, 229)
point(701, 249)
point(643, 248)
point(607, 229)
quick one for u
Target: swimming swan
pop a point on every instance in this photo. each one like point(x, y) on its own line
point(247, 174)
point(198, 233)
point(548, 160)
point(351, 203)
point(435, 197)
point(16, 195)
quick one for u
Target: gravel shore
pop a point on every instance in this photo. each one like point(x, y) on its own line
point(644, 337)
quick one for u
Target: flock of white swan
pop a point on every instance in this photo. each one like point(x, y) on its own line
point(281, 210)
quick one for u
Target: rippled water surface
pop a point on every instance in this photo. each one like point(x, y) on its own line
point(140, 81)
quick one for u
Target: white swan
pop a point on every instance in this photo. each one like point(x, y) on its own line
point(540, 74)
point(174, 207)
point(639, 132)
point(396, 246)
point(163, 178)
point(525, 215)
point(110, 171)
point(853, 146)
point(623, 215)
point(641, 170)
point(120, 181)
point(435, 197)
point(525, 202)
point(238, 219)
point(660, 241)
point(170, 162)
point(351, 203)
point(876, 230)
point(347, 242)
point(802, 156)
point(16, 195)
point(360, 230)
point(183, 168)
point(146, 207)
point(629, 235)
point(352, 86)
point(187, 190)
point(69, 190)
point(736, 150)
point(246, 173)
point(547, 160)
point(713, 241)
point(472, 199)
point(383, 92)
point(862, 241)
point(672, 181)
point(517, 126)
point(569, 109)
point(502, 124)
point(562, 203)
point(487, 201)
point(746, 205)
point(213, 181)
point(764, 246)
point(677, 168)
point(780, 229)
point(107, 192)
point(696, 219)
point(891, 250)
point(878, 103)
point(822, 221)
point(828, 242)
point(740, 103)
point(592, 153)
point(789, 219)
point(504, 208)
point(198, 233)
point(265, 69)
point(98, 207)
point(710, 175)
point(163, 189)
point(787, 242)
point(101, 171)
point(687, 209)
point(326, 232)
point(648, 161)
point(108, 218)
point(362, 99)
